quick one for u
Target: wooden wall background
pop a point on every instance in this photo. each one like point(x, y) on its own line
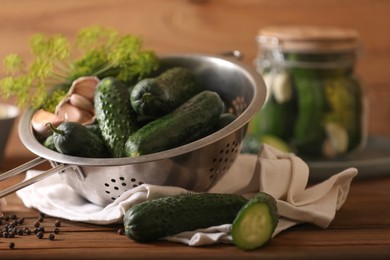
point(212, 26)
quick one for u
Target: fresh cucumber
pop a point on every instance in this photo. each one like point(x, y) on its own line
point(255, 222)
point(192, 120)
point(74, 139)
point(225, 119)
point(49, 143)
point(155, 219)
point(94, 128)
point(114, 114)
point(158, 96)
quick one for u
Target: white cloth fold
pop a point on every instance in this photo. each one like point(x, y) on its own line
point(283, 175)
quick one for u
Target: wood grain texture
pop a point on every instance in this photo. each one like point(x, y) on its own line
point(361, 229)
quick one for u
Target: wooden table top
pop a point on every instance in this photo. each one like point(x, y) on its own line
point(361, 228)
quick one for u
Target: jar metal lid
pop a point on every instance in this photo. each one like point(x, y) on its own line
point(309, 38)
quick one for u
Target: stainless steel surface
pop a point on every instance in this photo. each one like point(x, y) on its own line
point(195, 166)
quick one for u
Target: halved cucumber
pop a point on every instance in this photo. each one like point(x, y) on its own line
point(255, 222)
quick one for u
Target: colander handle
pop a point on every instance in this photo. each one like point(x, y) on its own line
point(25, 167)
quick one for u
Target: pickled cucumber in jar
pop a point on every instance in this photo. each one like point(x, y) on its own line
point(316, 106)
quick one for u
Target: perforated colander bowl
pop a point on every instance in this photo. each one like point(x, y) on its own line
point(194, 166)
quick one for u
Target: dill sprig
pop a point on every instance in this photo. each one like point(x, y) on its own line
point(97, 51)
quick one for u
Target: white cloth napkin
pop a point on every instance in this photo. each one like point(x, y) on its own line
point(284, 176)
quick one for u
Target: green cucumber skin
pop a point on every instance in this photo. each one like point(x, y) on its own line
point(240, 239)
point(309, 132)
point(192, 120)
point(114, 114)
point(275, 119)
point(77, 140)
point(158, 96)
point(225, 119)
point(155, 219)
point(49, 143)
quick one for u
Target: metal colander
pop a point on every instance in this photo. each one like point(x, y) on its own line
point(194, 166)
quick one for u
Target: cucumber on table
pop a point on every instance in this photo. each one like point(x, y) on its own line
point(155, 219)
point(194, 119)
point(255, 222)
point(158, 96)
point(74, 139)
point(114, 114)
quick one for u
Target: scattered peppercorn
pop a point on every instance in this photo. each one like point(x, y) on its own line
point(121, 231)
point(11, 245)
point(27, 231)
point(56, 230)
point(37, 224)
point(52, 236)
point(40, 234)
point(20, 221)
point(57, 223)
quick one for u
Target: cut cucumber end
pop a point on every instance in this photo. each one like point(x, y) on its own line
point(253, 226)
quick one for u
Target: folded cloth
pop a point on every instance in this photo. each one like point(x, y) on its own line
point(283, 175)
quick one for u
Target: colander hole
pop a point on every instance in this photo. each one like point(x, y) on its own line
point(124, 183)
point(133, 179)
point(227, 151)
point(211, 170)
point(113, 198)
point(221, 151)
point(227, 145)
point(211, 177)
point(135, 185)
point(140, 183)
point(116, 188)
point(108, 192)
point(214, 160)
point(226, 159)
point(122, 178)
point(106, 184)
point(113, 180)
point(220, 160)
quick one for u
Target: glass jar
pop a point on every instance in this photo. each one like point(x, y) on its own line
point(316, 105)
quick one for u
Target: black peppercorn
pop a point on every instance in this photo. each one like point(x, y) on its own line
point(51, 236)
point(57, 223)
point(20, 221)
point(11, 245)
point(40, 234)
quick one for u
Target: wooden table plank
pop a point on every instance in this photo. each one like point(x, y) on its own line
point(361, 229)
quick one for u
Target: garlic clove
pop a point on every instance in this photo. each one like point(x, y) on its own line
point(81, 102)
point(85, 86)
point(72, 113)
point(41, 118)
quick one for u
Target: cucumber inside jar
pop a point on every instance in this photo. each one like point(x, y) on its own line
point(315, 112)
